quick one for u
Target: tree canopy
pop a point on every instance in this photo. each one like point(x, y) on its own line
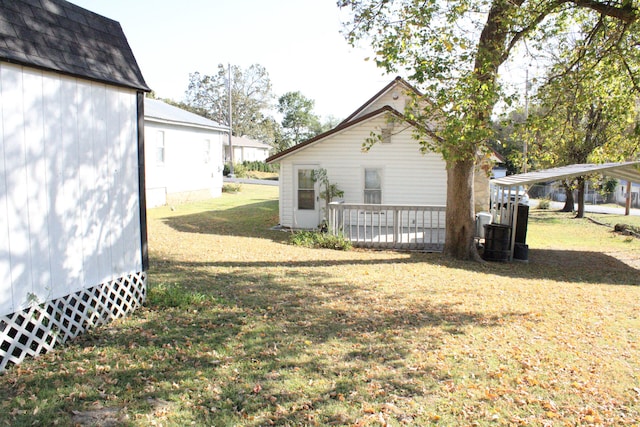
point(252, 106)
point(251, 96)
point(298, 120)
point(453, 51)
point(577, 121)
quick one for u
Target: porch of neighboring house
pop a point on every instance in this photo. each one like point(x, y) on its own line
point(419, 228)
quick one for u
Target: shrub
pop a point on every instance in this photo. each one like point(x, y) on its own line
point(239, 170)
point(259, 166)
point(316, 239)
point(231, 188)
point(544, 204)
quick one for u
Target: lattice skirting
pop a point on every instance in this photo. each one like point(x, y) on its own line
point(39, 328)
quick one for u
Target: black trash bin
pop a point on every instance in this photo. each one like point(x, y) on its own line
point(521, 252)
point(521, 225)
point(497, 242)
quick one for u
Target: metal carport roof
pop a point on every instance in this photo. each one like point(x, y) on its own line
point(628, 171)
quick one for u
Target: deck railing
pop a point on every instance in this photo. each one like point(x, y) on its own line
point(389, 226)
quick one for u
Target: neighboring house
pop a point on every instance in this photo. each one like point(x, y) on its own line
point(392, 172)
point(621, 194)
point(182, 155)
point(73, 244)
point(245, 150)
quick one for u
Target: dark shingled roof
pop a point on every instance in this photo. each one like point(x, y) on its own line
point(59, 36)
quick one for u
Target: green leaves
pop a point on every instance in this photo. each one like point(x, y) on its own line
point(250, 97)
point(298, 122)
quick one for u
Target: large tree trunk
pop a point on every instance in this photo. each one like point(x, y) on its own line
point(580, 213)
point(460, 227)
point(569, 203)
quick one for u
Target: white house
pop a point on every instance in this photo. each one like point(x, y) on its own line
point(620, 194)
point(245, 149)
point(392, 173)
point(73, 247)
point(182, 156)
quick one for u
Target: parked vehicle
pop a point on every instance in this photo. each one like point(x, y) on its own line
point(504, 194)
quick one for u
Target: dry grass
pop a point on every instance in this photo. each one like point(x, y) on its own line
point(244, 329)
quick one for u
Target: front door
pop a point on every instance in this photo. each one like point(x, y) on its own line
point(306, 209)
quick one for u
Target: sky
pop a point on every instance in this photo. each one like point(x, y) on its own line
point(297, 41)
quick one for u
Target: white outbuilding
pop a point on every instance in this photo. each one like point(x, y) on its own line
point(73, 244)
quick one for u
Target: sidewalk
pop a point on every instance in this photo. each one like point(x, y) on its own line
point(603, 209)
point(250, 181)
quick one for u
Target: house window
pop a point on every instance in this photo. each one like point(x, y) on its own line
point(373, 186)
point(160, 147)
point(306, 190)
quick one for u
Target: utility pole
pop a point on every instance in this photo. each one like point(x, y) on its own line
point(230, 124)
point(526, 117)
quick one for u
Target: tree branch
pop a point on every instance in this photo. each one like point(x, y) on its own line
point(632, 77)
point(626, 13)
point(532, 25)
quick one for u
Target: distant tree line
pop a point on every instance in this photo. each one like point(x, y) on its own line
point(253, 106)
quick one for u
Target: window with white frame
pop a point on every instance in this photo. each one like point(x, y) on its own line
point(160, 152)
point(373, 186)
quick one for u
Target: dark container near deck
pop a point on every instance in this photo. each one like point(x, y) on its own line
point(521, 225)
point(497, 240)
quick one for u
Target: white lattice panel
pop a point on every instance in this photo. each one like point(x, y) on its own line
point(39, 328)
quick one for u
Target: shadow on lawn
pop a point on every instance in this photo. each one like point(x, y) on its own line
point(248, 342)
point(244, 348)
point(243, 345)
point(288, 332)
point(255, 220)
point(572, 266)
point(544, 264)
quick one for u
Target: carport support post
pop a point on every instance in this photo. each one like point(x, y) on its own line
point(514, 221)
point(627, 204)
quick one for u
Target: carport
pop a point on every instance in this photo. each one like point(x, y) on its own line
point(503, 206)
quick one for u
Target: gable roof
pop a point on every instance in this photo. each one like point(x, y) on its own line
point(58, 36)
point(355, 119)
point(161, 112)
point(628, 171)
point(341, 127)
point(398, 81)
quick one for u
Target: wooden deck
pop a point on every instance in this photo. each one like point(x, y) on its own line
point(401, 227)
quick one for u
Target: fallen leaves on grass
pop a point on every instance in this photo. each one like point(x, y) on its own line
point(246, 330)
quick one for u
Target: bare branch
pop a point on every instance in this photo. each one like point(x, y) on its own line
point(625, 13)
point(532, 26)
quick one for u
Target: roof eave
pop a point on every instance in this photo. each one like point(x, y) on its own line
point(628, 170)
point(186, 124)
point(28, 64)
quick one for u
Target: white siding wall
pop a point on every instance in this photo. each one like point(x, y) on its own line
point(254, 154)
point(286, 181)
point(69, 200)
point(409, 177)
point(185, 168)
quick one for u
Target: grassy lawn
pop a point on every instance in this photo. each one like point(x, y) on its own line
point(632, 220)
point(242, 329)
